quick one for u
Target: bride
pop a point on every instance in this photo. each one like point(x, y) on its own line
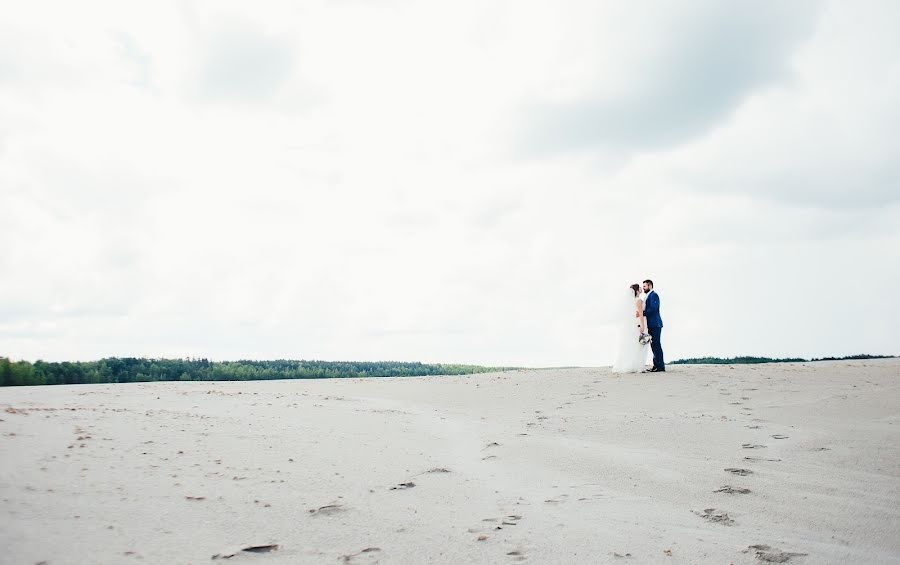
point(632, 353)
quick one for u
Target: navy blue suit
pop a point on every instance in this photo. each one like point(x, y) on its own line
point(654, 327)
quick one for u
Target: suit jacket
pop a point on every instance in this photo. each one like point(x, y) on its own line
point(651, 310)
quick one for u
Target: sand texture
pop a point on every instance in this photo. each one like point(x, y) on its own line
point(787, 463)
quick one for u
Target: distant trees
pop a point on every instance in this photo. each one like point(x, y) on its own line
point(130, 369)
point(17, 374)
point(753, 360)
point(854, 357)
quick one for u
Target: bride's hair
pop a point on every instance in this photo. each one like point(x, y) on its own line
point(636, 289)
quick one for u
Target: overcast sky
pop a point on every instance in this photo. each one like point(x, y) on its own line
point(465, 181)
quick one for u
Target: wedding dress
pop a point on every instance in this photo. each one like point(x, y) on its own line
point(632, 356)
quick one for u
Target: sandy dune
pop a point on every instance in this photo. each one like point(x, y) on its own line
point(705, 464)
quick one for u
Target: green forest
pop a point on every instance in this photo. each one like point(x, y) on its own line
point(129, 370)
point(746, 360)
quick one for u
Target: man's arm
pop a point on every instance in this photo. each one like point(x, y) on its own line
point(652, 307)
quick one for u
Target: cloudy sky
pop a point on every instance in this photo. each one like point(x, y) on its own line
point(468, 181)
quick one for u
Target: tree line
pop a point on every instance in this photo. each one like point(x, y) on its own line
point(131, 369)
point(745, 360)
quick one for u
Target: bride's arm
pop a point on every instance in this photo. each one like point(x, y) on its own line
point(640, 314)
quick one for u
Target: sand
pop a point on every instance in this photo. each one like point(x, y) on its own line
point(796, 463)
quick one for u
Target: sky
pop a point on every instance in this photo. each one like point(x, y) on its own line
point(460, 182)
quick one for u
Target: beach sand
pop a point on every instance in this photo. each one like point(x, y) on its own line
point(796, 463)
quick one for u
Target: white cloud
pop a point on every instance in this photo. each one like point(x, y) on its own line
point(666, 74)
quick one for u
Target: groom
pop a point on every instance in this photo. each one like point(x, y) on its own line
point(654, 326)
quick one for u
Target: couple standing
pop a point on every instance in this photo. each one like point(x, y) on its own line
point(641, 326)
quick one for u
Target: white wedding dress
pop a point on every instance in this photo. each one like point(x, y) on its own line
point(632, 356)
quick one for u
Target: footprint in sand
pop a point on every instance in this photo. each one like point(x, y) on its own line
point(488, 446)
point(741, 472)
point(403, 486)
point(770, 554)
point(250, 549)
point(780, 436)
point(715, 516)
point(517, 555)
point(347, 558)
point(752, 445)
point(510, 520)
point(733, 490)
point(327, 510)
point(499, 523)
